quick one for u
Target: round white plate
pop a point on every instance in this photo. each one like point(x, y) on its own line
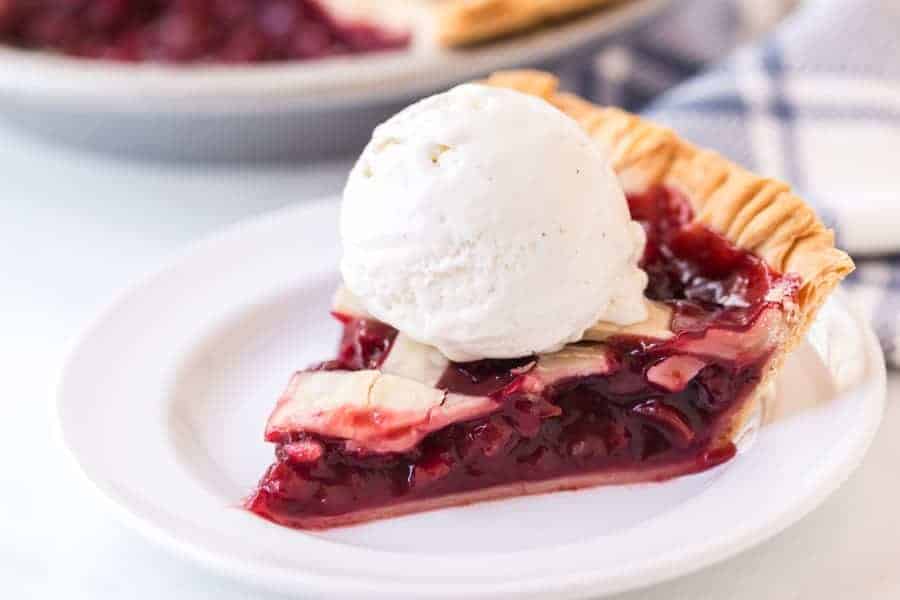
point(51, 79)
point(164, 400)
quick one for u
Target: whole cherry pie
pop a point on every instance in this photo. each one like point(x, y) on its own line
point(253, 31)
point(736, 265)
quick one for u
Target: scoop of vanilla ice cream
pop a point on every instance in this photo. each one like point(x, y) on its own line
point(488, 224)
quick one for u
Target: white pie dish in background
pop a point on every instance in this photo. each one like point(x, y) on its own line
point(268, 111)
point(163, 403)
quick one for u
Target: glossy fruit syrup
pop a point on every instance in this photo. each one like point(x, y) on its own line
point(186, 31)
point(619, 422)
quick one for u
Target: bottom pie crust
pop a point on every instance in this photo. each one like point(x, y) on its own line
point(499, 492)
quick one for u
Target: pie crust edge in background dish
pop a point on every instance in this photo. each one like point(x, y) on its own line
point(463, 22)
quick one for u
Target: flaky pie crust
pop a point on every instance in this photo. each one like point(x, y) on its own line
point(462, 22)
point(758, 214)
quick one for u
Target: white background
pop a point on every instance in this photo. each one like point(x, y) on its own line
point(75, 228)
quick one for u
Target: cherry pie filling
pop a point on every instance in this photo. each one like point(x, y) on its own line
point(661, 407)
point(181, 31)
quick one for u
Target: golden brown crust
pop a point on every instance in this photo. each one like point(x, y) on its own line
point(757, 214)
point(462, 22)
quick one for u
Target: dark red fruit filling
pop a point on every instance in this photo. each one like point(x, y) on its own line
point(620, 422)
point(364, 345)
point(708, 280)
point(230, 31)
point(602, 423)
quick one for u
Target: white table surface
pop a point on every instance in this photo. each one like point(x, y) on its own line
point(74, 228)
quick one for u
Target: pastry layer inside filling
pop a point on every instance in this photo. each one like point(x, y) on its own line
point(634, 407)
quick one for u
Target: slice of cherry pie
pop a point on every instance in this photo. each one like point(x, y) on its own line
point(737, 268)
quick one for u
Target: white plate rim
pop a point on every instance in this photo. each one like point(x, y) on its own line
point(743, 537)
point(352, 81)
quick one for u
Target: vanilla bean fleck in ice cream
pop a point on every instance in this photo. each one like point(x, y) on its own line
point(488, 224)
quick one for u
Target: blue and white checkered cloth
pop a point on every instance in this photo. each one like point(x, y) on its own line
point(816, 103)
